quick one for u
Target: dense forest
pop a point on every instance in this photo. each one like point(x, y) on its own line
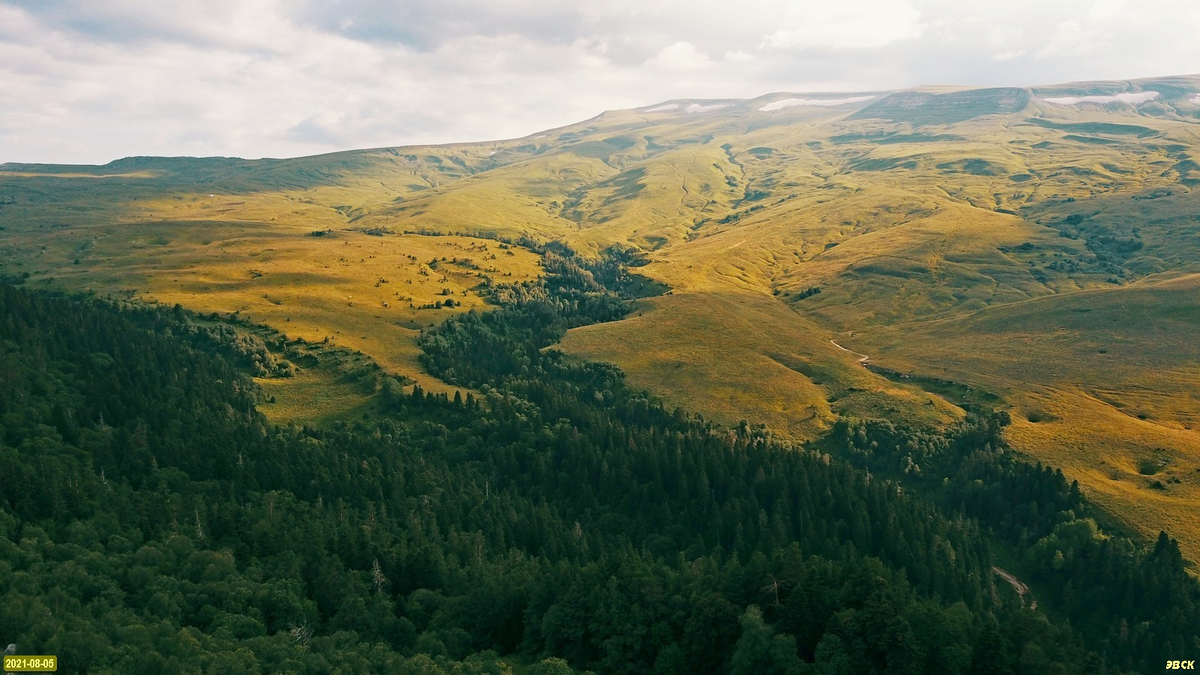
point(152, 521)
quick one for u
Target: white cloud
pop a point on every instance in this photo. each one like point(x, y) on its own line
point(846, 24)
point(680, 56)
point(85, 81)
point(1009, 55)
point(1106, 9)
point(1004, 36)
point(1073, 37)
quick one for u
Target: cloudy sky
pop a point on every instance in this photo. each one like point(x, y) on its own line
point(88, 81)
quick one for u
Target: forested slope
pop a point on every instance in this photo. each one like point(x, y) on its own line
point(152, 521)
point(1039, 243)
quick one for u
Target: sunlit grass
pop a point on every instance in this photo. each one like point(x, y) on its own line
point(1042, 255)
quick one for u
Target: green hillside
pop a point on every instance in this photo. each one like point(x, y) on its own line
point(561, 522)
point(1004, 240)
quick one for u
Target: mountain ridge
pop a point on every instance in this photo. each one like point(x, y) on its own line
point(1180, 86)
point(954, 234)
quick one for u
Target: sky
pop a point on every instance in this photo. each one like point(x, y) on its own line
point(84, 81)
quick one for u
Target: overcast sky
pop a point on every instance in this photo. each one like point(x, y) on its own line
point(88, 81)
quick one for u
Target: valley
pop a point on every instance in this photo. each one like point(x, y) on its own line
point(1042, 244)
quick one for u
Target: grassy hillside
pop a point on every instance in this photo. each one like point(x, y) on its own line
point(1008, 240)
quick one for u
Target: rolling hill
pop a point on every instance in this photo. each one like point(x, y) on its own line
point(1037, 244)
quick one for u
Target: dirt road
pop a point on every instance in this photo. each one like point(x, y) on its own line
point(862, 358)
point(1018, 586)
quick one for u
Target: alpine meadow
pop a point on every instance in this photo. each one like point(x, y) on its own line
point(869, 382)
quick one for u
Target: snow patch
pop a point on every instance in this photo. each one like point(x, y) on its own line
point(663, 108)
point(792, 102)
point(697, 108)
point(1133, 99)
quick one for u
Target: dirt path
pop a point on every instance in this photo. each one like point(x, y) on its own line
point(1018, 586)
point(862, 358)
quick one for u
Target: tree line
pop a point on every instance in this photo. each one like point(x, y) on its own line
point(151, 520)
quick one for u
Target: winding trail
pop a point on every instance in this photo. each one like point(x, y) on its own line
point(862, 358)
point(1018, 586)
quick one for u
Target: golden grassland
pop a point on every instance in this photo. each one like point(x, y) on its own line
point(311, 397)
point(1104, 448)
point(739, 355)
point(929, 269)
point(1040, 252)
point(1098, 382)
point(347, 289)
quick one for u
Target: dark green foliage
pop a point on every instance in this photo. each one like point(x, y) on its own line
point(920, 108)
point(1091, 140)
point(883, 163)
point(1132, 604)
point(1149, 467)
point(151, 521)
point(891, 137)
point(1096, 127)
point(1112, 244)
point(974, 167)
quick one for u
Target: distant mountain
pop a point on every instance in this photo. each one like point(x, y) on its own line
point(1038, 247)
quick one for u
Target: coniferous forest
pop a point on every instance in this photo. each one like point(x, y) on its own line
point(152, 520)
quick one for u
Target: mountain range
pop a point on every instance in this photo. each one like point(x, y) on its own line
point(901, 255)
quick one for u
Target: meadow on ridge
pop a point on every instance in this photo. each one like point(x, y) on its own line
point(1039, 251)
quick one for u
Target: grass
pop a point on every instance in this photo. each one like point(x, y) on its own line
point(347, 289)
point(1098, 381)
point(312, 397)
point(956, 393)
point(738, 355)
point(962, 239)
point(1100, 446)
